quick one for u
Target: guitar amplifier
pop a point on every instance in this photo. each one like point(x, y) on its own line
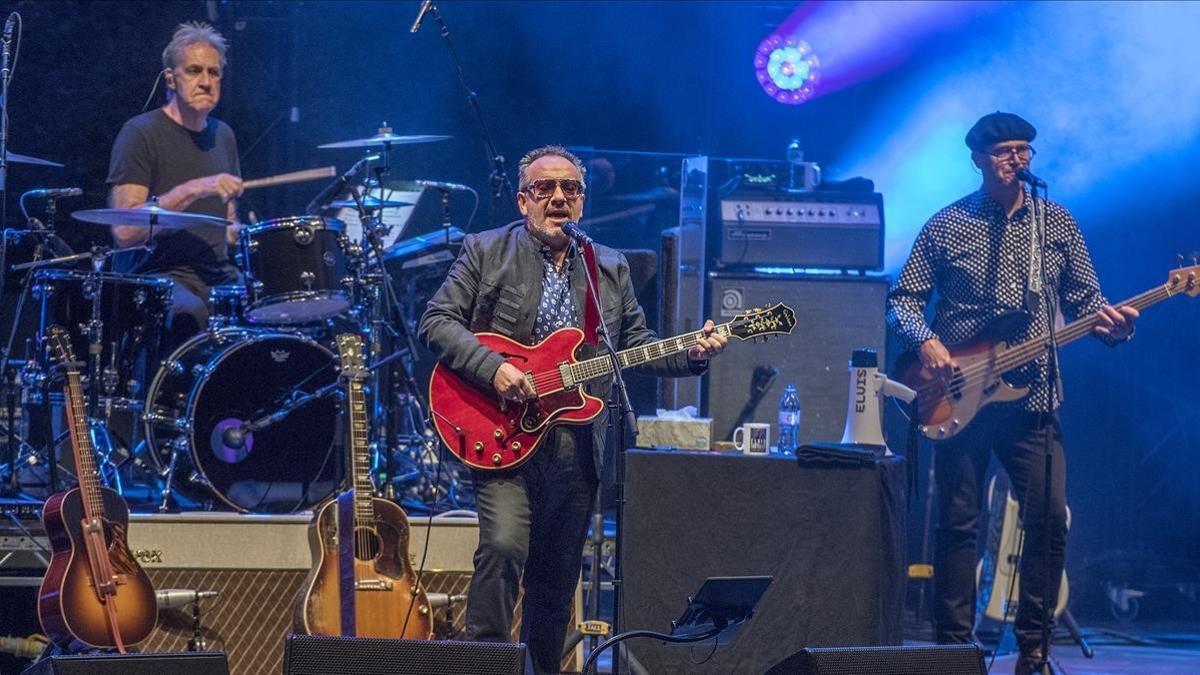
point(188, 663)
point(259, 562)
point(814, 229)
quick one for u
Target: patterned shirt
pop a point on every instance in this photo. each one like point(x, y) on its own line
point(557, 308)
point(977, 259)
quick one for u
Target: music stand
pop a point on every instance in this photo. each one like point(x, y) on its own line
point(721, 604)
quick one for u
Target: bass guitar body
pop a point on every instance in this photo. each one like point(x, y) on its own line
point(388, 601)
point(69, 603)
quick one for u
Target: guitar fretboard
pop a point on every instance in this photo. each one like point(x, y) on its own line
point(600, 366)
point(81, 444)
point(360, 454)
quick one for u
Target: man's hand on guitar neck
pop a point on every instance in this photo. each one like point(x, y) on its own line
point(938, 361)
point(1115, 324)
point(510, 384)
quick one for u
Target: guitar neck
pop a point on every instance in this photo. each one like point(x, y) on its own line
point(360, 454)
point(600, 366)
point(1032, 349)
point(81, 446)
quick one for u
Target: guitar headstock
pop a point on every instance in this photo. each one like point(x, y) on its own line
point(58, 340)
point(778, 319)
point(1185, 280)
point(350, 355)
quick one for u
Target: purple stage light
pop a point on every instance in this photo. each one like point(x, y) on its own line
point(787, 69)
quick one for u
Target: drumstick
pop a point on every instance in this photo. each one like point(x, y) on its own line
point(293, 177)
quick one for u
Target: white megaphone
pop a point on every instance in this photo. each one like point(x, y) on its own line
point(864, 414)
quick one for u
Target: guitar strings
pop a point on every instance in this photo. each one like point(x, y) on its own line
point(1020, 354)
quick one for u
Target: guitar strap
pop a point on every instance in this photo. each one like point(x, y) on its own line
point(591, 317)
point(346, 537)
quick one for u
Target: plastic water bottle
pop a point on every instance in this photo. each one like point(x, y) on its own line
point(789, 421)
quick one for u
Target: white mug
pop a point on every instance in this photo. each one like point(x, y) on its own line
point(752, 438)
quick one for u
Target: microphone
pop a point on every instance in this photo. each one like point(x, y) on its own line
point(176, 598)
point(443, 185)
point(573, 231)
point(1026, 175)
point(334, 189)
point(425, 7)
point(437, 600)
point(55, 193)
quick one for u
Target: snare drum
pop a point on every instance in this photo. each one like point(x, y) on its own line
point(133, 315)
point(296, 270)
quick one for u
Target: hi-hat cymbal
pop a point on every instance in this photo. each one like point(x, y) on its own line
point(369, 203)
point(148, 215)
point(17, 158)
point(384, 137)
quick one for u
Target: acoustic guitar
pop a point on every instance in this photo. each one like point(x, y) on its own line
point(362, 582)
point(94, 590)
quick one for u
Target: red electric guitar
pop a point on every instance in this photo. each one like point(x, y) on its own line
point(488, 433)
point(94, 590)
point(982, 362)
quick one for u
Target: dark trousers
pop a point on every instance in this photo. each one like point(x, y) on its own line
point(533, 519)
point(189, 302)
point(960, 465)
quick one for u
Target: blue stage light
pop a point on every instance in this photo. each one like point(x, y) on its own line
point(787, 69)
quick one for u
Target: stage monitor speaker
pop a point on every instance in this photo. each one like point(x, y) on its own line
point(834, 316)
point(186, 663)
point(320, 655)
point(926, 660)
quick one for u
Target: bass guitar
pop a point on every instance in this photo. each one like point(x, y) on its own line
point(94, 590)
point(362, 582)
point(944, 411)
point(486, 432)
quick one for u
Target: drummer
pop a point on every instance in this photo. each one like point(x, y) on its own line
point(189, 161)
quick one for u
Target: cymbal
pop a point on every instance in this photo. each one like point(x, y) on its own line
point(17, 158)
point(384, 137)
point(148, 215)
point(369, 203)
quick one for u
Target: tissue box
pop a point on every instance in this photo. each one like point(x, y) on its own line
point(683, 433)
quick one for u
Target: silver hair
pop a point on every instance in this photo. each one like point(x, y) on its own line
point(190, 33)
point(547, 151)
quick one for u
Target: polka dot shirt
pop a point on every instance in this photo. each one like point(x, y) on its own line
point(976, 258)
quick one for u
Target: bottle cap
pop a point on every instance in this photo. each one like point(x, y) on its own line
point(864, 358)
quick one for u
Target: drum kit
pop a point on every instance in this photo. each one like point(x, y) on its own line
point(243, 415)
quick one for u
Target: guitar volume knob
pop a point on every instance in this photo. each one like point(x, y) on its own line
point(479, 447)
point(496, 458)
point(498, 433)
point(516, 446)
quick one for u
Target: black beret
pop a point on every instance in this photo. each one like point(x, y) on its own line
point(998, 127)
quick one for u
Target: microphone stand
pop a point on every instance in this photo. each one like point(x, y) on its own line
point(1038, 214)
point(627, 430)
point(501, 189)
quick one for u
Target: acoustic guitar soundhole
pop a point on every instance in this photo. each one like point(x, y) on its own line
point(366, 543)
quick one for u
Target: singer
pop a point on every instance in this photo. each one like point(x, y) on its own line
point(525, 280)
point(976, 255)
point(189, 160)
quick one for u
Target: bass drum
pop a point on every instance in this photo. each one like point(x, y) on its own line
point(222, 379)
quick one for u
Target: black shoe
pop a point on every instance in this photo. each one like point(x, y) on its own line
point(1032, 662)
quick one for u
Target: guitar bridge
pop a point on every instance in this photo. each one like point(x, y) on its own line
point(373, 585)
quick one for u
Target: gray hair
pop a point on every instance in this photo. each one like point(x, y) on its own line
point(190, 33)
point(547, 151)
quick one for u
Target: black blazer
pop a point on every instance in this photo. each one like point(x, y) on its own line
point(495, 285)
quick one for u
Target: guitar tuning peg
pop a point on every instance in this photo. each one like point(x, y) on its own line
point(1179, 259)
point(1195, 258)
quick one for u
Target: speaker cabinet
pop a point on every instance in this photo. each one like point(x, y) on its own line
point(929, 660)
point(834, 316)
point(190, 663)
point(316, 655)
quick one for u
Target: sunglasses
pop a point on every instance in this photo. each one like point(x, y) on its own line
point(544, 188)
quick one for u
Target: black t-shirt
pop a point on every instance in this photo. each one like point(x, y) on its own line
point(153, 150)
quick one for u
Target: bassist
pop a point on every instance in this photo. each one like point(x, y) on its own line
point(525, 281)
point(975, 254)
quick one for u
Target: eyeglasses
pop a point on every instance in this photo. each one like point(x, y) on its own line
point(1022, 152)
point(544, 188)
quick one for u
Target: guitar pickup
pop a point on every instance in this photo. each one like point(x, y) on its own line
point(564, 371)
